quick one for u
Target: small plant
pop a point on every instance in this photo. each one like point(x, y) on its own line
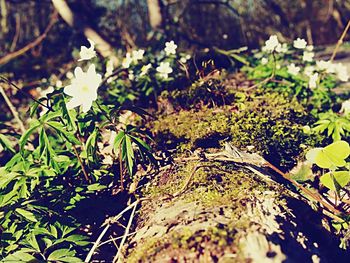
point(59, 163)
point(333, 125)
point(334, 178)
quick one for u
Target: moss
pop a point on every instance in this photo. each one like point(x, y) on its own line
point(220, 194)
point(202, 92)
point(212, 184)
point(271, 122)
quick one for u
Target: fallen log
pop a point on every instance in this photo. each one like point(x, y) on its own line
point(228, 214)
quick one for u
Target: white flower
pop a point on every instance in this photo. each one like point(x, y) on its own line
point(87, 53)
point(164, 69)
point(313, 81)
point(345, 107)
point(138, 54)
point(308, 56)
point(293, 70)
point(325, 65)
point(271, 44)
point(131, 75)
point(341, 71)
point(299, 43)
point(127, 60)
point(264, 61)
point(309, 70)
point(170, 48)
point(282, 48)
point(310, 48)
point(145, 69)
point(109, 68)
point(83, 88)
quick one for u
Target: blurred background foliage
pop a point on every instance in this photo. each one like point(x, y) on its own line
point(193, 24)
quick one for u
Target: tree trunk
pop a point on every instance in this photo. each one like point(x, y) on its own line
point(227, 214)
point(155, 14)
point(73, 20)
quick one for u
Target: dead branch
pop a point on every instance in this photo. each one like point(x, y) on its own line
point(32, 44)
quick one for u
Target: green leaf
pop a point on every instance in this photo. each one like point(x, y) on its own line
point(24, 138)
point(60, 254)
point(129, 154)
point(78, 240)
point(19, 257)
point(118, 140)
point(95, 187)
point(6, 178)
point(71, 260)
point(33, 242)
point(334, 179)
point(60, 128)
point(6, 143)
point(303, 173)
point(331, 156)
point(26, 214)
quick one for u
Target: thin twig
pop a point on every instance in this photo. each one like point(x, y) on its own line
point(125, 234)
point(183, 188)
point(12, 109)
point(113, 239)
point(10, 83)
point(33, 44)
point(107, 224)
point(97, 242)
point(340, 41)
point(18, 29)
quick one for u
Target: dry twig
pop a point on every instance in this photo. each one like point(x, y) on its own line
point(31, 45)
point(12, 109)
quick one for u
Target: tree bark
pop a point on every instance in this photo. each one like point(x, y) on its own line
point(73, 20)
point(228, 214)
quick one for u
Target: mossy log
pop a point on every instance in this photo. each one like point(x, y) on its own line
point(227, 213)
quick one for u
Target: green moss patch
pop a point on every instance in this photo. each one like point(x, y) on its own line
point(272, 123)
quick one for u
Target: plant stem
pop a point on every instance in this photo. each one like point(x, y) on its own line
point(81, 164)
point(25, 93)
